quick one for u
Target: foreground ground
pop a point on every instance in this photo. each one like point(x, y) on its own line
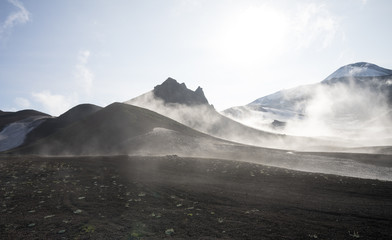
point(170, 197)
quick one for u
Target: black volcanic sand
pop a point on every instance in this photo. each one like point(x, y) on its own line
point(171, 197)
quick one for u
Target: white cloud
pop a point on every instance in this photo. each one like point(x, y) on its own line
point(83, 75)
point(21, 16)
point(22, 103)
point(314, 24)
point(54, 104)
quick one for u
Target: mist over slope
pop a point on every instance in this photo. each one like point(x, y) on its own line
point(123, 129)
point(191, 108)
point(352, 104)
point(119, 129)
point(182, 122)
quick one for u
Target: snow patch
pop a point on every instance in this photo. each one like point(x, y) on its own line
point(162, 130)
point(15, 133)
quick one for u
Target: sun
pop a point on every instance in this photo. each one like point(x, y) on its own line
point(255, 34)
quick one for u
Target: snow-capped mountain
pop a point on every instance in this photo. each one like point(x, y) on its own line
point(360, 69)
point(355, 99)
point(281, 106)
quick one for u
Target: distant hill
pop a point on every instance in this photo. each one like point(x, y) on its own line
point(10, 117)
point(52, 125)
point(119, 129)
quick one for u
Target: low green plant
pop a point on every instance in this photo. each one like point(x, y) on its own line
point(88, 228)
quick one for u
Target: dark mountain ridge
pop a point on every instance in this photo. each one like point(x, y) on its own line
point(173, 92)
point(107, 131)
point(10, 117)
point(52, 125)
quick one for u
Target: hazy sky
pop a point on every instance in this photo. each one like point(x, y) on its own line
point(57, 54)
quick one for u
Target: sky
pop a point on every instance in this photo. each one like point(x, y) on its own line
point(57, 54)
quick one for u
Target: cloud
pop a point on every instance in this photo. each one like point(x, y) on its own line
point(83, 75)
point(314, 23)
point(54, 104)
point(22, 103)
point(21, 16)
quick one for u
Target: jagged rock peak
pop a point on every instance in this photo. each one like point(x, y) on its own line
point(199, 90)
point(173, 92)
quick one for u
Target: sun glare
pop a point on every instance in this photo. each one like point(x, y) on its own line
point(255, 35)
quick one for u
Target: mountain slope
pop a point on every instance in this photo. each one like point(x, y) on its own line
point(354, 102)
point(10, 117)
point(119, 129)
point(14, 134)
point(52, 125)
point(204, 118)
point(14, 126)
point(125, 129)
point(201, 117)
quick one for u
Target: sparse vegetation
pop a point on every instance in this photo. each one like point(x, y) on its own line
point(88, 228)
point(154, 194)
point(353, 234)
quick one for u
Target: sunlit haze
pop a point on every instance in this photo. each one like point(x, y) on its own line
point(57, 54)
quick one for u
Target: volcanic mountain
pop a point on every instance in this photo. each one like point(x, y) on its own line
point(28, 126)
point(353, 102)
point(359, 69)
point(119, 129)
point(51, 125)
point(191, 108)
point(89, 130)
point(123, 129)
